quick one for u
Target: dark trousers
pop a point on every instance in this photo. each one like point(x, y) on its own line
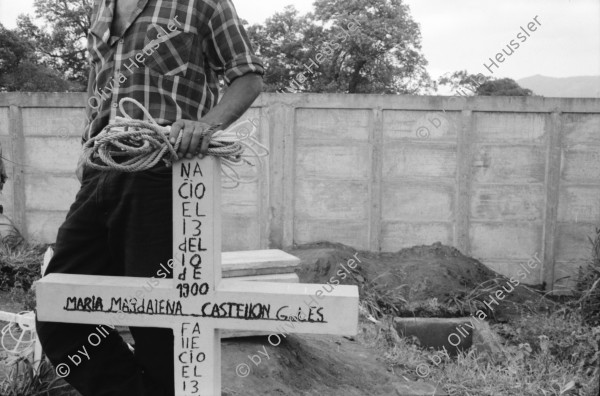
point(119, 225)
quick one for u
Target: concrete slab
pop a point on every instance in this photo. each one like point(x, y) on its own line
point(257, 262)
point(283, 278)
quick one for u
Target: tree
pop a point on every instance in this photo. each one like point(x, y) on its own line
point(380, 55)
point(503, 87)
point(283, 44)
point(20, 69)
point(61, 43)
point(461, 82)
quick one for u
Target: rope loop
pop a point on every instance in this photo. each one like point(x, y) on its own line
point(129, 145)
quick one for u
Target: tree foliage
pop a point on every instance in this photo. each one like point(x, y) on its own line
point(461, 82)
point(503, 87)
point(382, 56)
point(283, 44)
point(61, 42)
point(20, 69)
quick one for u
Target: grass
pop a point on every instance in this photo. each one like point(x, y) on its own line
point(588, 285)
point(20, 266)
point(379, 300)
point(546, 354)
point(553, 352)
point(25, 380)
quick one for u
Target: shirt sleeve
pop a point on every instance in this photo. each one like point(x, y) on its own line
point(92, 100)
point(229, 51)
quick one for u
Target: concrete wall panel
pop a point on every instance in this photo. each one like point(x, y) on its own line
point(572, 241)
point(509, 127)
point(49, 192)
point(7, 194)
point(581, 129)
point(53, 122)
point(240, 200)
point(501, 240)
point(417, 202)
point(6, 199)
point(508, 202)
point(332, 124)
point(43, 225)
point(52, 154)
point(420, 125)
point(579, 204)
point(333, 162)
point(343, 200)
point(582, 165)
point(4, 121)
point(509, 164)
point(417, 161)
point(240, 232)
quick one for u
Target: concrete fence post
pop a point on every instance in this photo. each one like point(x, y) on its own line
point(375, 184)
point(17, 140)
point(464, 182)
point(553, 129)
point(281, 121)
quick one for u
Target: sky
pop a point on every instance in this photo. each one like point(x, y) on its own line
point(464, 34)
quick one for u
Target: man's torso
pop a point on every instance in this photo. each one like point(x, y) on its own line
point(166, 55)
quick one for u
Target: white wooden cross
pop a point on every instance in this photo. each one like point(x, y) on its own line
point(197, 303)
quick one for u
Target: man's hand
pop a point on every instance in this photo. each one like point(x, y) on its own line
point(195, 140)
point(236, 100)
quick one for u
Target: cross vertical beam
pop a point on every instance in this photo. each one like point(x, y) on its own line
point(197, 271)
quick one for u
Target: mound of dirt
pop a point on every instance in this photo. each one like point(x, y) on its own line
point(434, 280)
point(312, 365)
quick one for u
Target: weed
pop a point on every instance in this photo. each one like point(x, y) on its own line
point(25, 380)
point(588, 285)
point(379, 300)
point(20, 264)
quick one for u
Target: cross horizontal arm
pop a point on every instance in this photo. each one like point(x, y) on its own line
point(262, 306)
point(91, 299)
point(277, 304)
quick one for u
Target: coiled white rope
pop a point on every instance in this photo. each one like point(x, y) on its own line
point(129, 145)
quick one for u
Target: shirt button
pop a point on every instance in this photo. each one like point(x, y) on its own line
point(114, 105)
point(121, 41)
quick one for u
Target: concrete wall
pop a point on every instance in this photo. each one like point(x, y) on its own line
point(499, 178)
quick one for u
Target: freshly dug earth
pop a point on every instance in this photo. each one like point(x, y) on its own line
point(310, 365)
point(459, 284)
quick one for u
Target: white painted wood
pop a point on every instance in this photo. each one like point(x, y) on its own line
point(257, 262)
point(47, 256)
point(238, 264)
point(281, 278)
point(57, 294)
point(197, 320)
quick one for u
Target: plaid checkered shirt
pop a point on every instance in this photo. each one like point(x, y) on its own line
point(169, 58)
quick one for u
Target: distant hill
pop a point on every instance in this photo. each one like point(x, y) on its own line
point(566, 87)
